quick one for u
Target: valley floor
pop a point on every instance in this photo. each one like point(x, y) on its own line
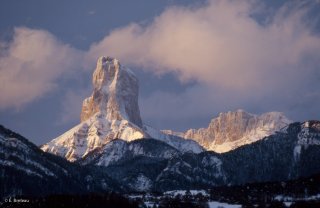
point(205, 199)
point(172, 199)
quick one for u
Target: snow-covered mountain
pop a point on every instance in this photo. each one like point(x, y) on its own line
point(307, 137)
point(111, 112)
point(231, 130)
point(138, 166)
point(286, 155)
point(119, 150)
point(27, 170)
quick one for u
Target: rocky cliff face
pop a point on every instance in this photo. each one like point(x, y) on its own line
point(234, 129)
point(115, 93)
point(111, 112)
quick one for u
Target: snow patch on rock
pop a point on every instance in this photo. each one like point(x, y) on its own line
point(142, 183)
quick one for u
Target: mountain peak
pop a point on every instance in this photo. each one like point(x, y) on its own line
point(115, 94)
point(111, 112)
point(105, 71)
point(236, 128)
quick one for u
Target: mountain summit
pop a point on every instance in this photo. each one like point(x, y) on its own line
point(115, 93)
point(111, 112)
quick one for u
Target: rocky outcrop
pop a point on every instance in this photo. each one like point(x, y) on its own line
point(111, 112)
point(115, 94)
point(234, 129)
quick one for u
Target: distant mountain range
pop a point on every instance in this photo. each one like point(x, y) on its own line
point(113, 150)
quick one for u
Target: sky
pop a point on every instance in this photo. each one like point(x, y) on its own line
point(194, 59)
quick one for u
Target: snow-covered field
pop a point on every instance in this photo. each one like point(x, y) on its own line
point(174, 193)
point(149, 200)
point(215, 204)
point(287, 200)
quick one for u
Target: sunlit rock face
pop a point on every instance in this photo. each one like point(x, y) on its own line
point(115, 93)
point(234, 129)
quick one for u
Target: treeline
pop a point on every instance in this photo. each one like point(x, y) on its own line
point(269, 193)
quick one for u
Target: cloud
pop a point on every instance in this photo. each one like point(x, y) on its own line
point(31, 64)
point(219, 43)
point(236, 58)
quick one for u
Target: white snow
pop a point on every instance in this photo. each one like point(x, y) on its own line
point(149, 204)
point(21, 149)
point(288, 200)
point(215, 204)
point(175, 193)
point(19, 167)
point(142, 183)
point(112, 152)
point(297, 152)
point(91, 134)
point(287, 204)
point(181, 144)
point(209, 161)
point(306, 138)
point(212, 161)
point(14, 142)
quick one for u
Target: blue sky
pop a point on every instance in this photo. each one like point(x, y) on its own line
point(194, 59)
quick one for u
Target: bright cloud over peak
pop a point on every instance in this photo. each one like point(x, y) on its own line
point(220, 43)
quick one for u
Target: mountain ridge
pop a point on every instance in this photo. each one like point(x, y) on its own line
point(270, 159)
point(233, 129)
point(141, 167)
point(27, 170)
